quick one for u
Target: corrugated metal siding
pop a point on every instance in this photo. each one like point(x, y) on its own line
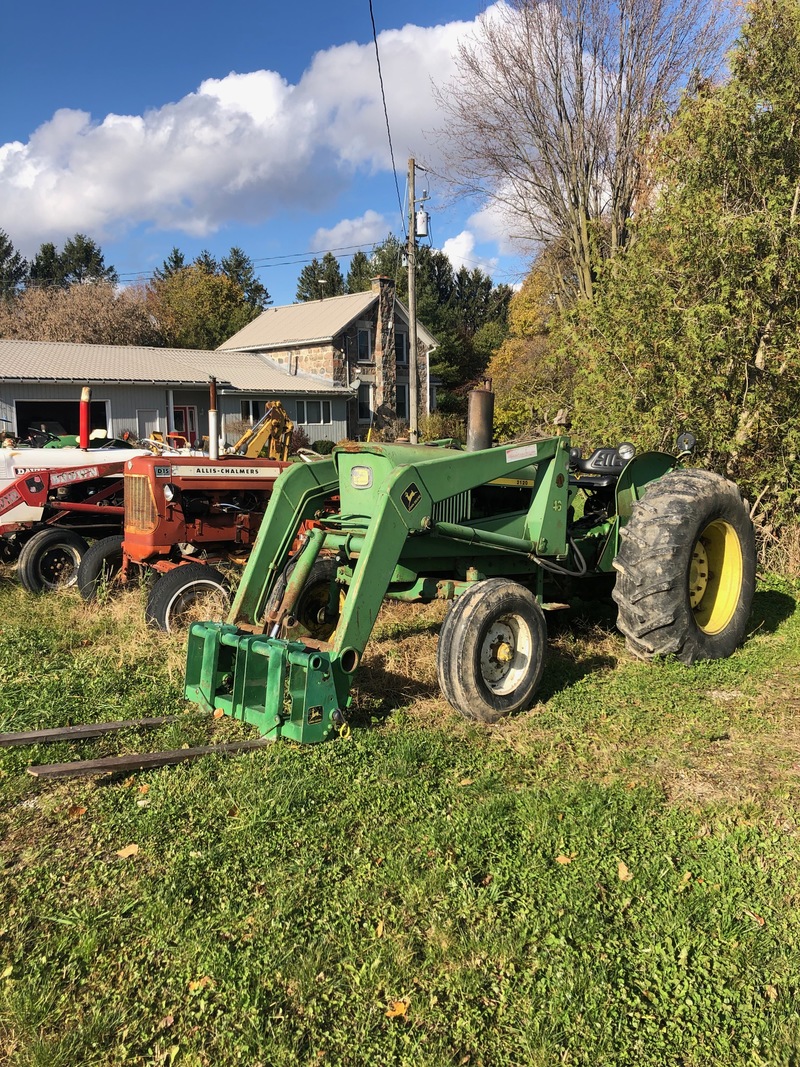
point(121, 401)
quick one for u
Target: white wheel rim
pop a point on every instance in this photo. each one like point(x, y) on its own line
point(505, 654)
point(200, 606)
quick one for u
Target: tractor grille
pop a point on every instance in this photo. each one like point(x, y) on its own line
point(140, 507)
point(453, 509)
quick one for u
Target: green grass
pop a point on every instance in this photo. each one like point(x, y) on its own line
point(611, 879)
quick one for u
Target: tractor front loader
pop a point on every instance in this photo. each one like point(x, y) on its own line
point(499, 532)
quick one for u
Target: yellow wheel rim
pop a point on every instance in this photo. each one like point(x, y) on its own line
point(715, 576)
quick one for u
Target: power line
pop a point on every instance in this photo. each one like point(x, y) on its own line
point(386, 116)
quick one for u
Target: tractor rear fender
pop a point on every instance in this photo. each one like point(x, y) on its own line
point(298, 495)
point(631, 486)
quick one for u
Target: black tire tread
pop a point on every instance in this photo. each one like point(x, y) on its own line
point(652, 564)
point(456, 668)
point(171, 584)
point(29, 557)
point(101, 561)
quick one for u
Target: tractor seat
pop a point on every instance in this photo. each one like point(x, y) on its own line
point(600, 470)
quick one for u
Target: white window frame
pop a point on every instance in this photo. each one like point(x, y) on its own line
point(365, 420)
point(364, 328)
point(402, 390)
point(402, 358)
point(301, 411)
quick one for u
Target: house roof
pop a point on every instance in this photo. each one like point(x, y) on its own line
point(310, 322)
point(57, 361)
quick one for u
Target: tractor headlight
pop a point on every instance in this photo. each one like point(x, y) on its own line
point(170, 492)
point(361, 477)
point(627, 450)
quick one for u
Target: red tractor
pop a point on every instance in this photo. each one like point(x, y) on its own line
point(183, 515)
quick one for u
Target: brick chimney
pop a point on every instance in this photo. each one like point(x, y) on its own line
point(385, 360)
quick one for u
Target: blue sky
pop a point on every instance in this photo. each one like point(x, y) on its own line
point(154, 125)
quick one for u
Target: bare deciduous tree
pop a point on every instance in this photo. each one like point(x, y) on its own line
point(556, 104)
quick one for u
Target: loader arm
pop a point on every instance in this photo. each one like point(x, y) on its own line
point(298, 496)
point(390, 498)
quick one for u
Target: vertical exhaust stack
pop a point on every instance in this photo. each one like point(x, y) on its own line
point(480, 417)
point(85, 417)
point(213, 423)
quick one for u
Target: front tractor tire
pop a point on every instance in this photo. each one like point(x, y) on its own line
point(491, 650)
point(100, 567)
point(686, 569)
point(192, 592)
point(50, 560)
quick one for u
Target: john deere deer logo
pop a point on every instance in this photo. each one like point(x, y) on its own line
point(411, 497)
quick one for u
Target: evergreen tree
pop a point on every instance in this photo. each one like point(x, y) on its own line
point(206, 262)
point(47, 267)
point(83, 261)
point(80, 261)
point(13, 268)
point(359, 274)
point(308, 287)
point(320, 279)
point(239, 268)
point(174, 262)
point(388, 259)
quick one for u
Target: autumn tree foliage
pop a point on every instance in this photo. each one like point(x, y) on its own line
point(201, 304)
point(697, 326)
point(195, 308)
point(532, 379)
point(84, 314)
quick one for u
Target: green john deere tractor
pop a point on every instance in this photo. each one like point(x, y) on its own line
point(499, 532)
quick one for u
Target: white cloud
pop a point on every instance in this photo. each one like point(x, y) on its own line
point(492, 223)
point(370, 228)
point(460, 250)
point(240, 148)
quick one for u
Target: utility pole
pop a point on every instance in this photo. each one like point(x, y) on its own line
point(413, 408)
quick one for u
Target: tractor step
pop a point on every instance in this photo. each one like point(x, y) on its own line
point(137, 761)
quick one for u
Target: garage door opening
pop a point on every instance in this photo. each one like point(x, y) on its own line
point(57, 416)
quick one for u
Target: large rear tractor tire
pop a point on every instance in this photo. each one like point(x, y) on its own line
point(50, 560)
point(686, 569)
point(491, 650)
point(99, 567)
point(190, 593)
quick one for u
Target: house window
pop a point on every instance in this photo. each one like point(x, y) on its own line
point(249, 410)
point(402, 401)
point(401, 348)
point(313, 412)
point(364, 339)
point(365, 402)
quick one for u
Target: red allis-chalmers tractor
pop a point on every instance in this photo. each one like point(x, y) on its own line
point(183, 514)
